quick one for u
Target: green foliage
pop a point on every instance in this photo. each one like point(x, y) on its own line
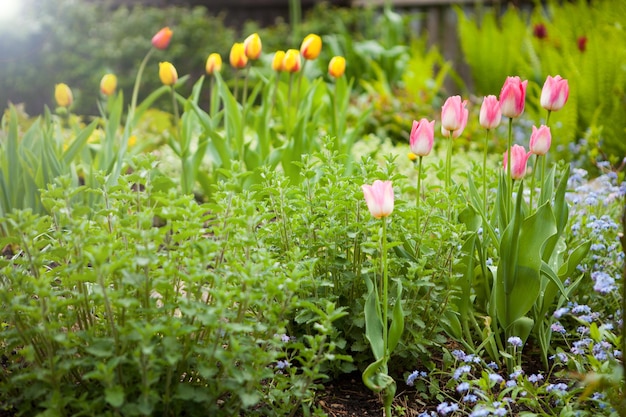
point(573, 44)
point(78, 45)
point(153, 304)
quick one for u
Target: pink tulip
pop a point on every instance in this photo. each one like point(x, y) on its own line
point(512, 97)
point(554, 93)
point(422, 137)
point(540, 140)
point(519, 157)
point(453, 116)
point(490, 113)
point(379, 198)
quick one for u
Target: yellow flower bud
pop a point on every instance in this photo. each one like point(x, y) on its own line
point(337, 66)
point(252, 46)
point(412, 156)
point(238, 58)
point(292, 61)
point(213, 63)
point(108, 84)
point(277, 62)
point(167, 73)
point(311, 46)
point(63, 95)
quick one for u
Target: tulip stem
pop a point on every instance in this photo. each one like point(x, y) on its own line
point(245, 91)
point(449, 162)
point(133, 102)
point(385, 284)
point(417, 205)
point(532, 182)
point(485, 171)
point(509, 178)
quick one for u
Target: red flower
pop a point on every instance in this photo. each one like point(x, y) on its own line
point(540, 31)
point(582, 43)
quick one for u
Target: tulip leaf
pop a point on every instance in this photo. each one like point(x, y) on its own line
point(397, 325)
point(373, 321)
point(518, 280)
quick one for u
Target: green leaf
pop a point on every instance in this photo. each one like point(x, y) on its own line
point(114, 396)
point(373, 321)
point(518, 279)
point(397, 324)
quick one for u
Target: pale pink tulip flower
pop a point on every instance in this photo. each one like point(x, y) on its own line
point(554, 93)
point(379, 198)
point(519, 158)
point(540, 140)
point(454, 116)
point(512, 97)
point(490, 113)
point(422, 137)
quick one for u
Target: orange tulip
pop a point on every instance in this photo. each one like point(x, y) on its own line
point(162, 39)
point(108, 84)
point(292, 61)
point(63, 95)
point(252, 46)
point(213, 63)
point(167, 73)
point(337, 66)
point(311, 46)
point(238, 58)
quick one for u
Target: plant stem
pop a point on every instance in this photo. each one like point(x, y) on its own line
point(449, 163)
point(623, 241)
point(485, 171)
point(509, 179)
point(419, 194)
point(383, 248)
point(532, 182)
point(133, 102)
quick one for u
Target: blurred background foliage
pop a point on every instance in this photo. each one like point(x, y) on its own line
point(401, 69)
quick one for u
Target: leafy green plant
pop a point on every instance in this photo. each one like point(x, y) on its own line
point(116, 313)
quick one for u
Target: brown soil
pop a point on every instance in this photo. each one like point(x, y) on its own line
point(349, 397)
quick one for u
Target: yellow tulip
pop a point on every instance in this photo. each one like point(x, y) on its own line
point(337, 66)
point(311, 46)
point(213, 63)
point(108, 84)
point(238, 58)
point(277, 62)
point(252, 46)
point(292, 61)
point(167, 73)
point(63, 95)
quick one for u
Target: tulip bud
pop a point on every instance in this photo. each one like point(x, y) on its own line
point(490, 113)
point(63, 95)
point(162, 38)
point(540, 140)
point(422, 137)
point(519, 158)
point(252, 46)
point(167, 73)
point(554, 93)
point(454, 116)
point(238, 58)
point(108, 84)
point(311, 46)
point(512, 97)
point(277, 62)
point(337, 66)
point(213, 63)
point(379, 198)
point(292, 61)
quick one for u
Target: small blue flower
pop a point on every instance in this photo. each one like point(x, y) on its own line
point(493, 365)
point(461, 370)
point(515, 341)
point(495, 378)
point(463, 387)
point(557, 327)
point(534, 378)
point(458, 354)
point(480, 412)
point(410, 381)
point(470, 398)
point(283, 364)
